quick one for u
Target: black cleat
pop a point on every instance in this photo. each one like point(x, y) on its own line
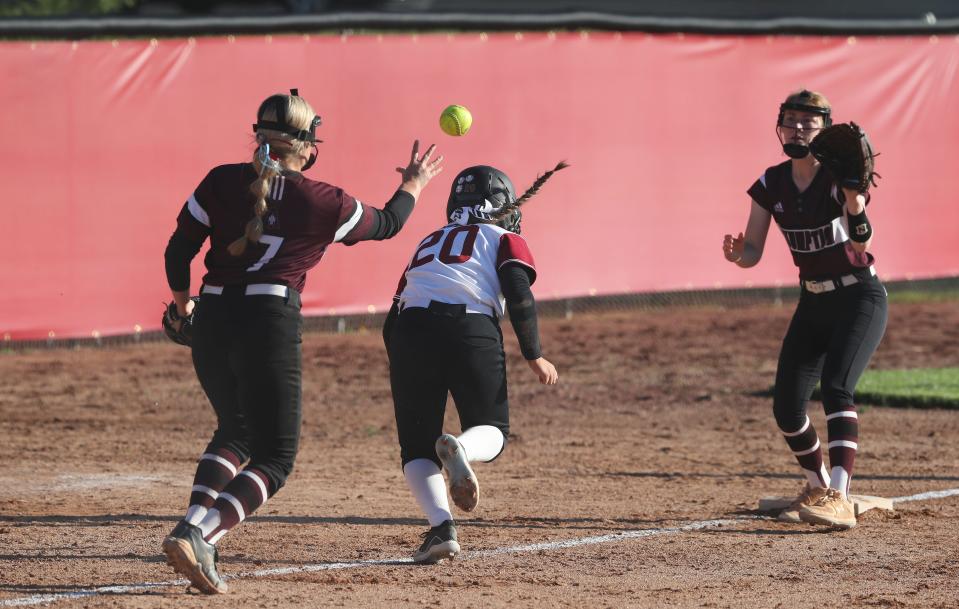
point(180, 529)
point(438, 543)
point(189, 555)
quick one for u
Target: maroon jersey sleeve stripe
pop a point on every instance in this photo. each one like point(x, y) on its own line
point(194, 221)
point(198, 212)
point(356, 221)
point(514, 249)
point(187, 225)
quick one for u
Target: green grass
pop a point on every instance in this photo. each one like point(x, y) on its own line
point(915, 388)
point(923, 295)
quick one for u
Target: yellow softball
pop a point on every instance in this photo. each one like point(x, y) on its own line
point(456, 120)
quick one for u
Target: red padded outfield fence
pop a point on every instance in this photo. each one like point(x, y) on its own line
point(104, 141)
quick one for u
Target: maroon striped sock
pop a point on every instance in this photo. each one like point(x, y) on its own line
point(213, 472)
point(843, 426)
point(242, 496)
point(804, 444)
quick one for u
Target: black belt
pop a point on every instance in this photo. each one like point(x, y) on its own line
point(446, 309)
point(443, 309)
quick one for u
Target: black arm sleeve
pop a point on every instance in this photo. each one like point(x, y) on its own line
point(388, 325)
point(179, 252)
point(387, 221)
point(514, 282)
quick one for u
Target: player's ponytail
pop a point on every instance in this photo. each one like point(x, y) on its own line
point(509, 208)
point(266, 169)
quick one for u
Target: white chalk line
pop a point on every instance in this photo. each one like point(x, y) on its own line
point(930, 495)
point(40, 599)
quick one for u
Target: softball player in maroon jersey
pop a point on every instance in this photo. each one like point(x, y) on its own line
point(247, 324)
point(443, 336)
point(842, 310)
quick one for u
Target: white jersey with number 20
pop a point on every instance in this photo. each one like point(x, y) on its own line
point(458, 264)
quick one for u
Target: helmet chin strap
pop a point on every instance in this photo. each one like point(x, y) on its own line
point(311, 160)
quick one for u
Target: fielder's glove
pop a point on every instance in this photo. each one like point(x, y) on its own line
point(845, 152)
point(179, 329)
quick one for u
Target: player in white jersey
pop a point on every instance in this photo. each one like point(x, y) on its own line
point(443, 336)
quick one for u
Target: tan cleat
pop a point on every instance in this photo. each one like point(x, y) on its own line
point(808, 496)
point(832, 509)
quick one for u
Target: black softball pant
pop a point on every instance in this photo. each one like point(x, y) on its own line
point(440, 351)
point(247, 354)
point(831, 339)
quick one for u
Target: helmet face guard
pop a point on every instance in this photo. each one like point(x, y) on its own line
point(800, 150)
point(512, 222)
point(483, 191)
point(285, 129)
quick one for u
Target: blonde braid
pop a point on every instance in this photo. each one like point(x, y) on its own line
point(509, 208)
point(260, 188)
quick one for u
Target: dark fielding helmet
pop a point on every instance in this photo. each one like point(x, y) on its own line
point(475, 186)
point(279, 103)
point(801, 103)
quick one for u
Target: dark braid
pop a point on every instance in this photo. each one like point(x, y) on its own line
point(509, 208)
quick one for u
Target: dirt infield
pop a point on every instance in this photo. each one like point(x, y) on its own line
point(631, 484)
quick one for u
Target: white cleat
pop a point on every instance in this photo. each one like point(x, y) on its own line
point(464, 487)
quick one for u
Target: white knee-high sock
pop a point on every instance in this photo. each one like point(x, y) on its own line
point(429, 488)
point(482, 443)
point(840, 480)
point(195, 514)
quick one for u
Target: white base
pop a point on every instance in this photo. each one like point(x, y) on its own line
point(861, 503)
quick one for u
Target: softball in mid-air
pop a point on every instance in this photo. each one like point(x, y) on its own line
point(456, 120)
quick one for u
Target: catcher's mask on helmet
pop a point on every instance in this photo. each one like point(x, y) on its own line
point(279, 104)
point(800, 104)
point(481, 191)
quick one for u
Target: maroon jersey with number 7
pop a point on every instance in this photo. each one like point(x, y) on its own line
point(304, 217)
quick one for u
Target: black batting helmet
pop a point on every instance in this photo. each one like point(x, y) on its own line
point(485, 190)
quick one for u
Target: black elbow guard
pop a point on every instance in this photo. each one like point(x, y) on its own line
point(393, 216)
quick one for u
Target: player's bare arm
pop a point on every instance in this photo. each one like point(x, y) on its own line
point(746, 249)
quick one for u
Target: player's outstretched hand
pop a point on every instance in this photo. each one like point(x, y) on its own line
point(545, 370)
point(420, 170)
point(733, 247)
